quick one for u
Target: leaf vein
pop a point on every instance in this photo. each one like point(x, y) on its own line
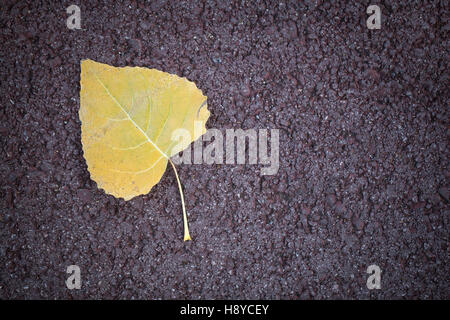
point(129, 118)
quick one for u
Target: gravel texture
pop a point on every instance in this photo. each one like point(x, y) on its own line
point(363, 179)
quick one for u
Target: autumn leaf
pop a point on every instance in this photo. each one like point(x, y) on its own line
point(127, 118)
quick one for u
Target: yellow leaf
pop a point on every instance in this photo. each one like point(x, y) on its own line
point(127, 119)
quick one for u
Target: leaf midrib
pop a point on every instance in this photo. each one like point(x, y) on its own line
point(129, 118)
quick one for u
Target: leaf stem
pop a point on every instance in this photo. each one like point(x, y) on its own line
point(186, 228)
